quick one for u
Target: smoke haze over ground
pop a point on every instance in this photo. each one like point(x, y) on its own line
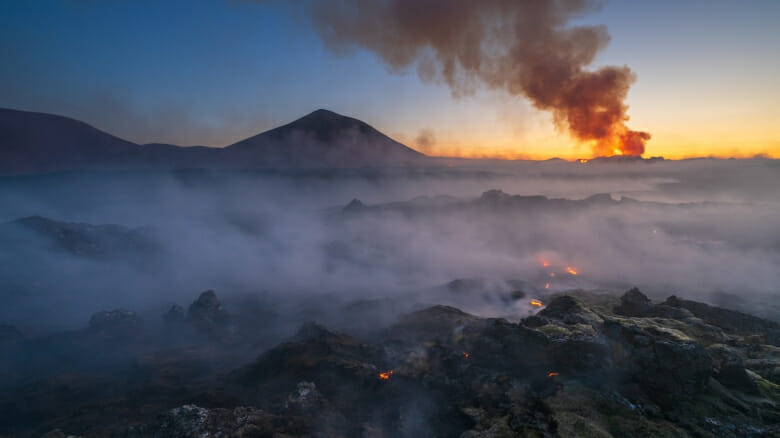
point(703, 229)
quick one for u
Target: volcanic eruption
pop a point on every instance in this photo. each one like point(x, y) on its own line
point(522, 47)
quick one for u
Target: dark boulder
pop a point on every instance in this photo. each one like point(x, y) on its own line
point(569, 310)
point(174, 315)
point(207, 314)
point(437, 322)
point(729, 369)
point(634, 303)
point(316, 354)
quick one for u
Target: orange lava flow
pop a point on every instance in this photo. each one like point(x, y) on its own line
point(386, 375)
point(571, 270)
point(536, 303)
point(583, 160)
point(552, 374)
point(466, 355)
point(547, 285)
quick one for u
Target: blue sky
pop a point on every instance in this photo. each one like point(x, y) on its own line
point(213, 72)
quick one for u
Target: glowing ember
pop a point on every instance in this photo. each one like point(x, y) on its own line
point(466, 355)
point(545, 264)
point(583, 161)
point(552, 374)
point(386, 375)
point(571, 270)
point(547, 285)
point(552, 274)
point(536, 303)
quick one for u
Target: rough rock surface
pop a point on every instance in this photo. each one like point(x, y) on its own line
point(207, 314)
point(585, 365)
point(194, 421)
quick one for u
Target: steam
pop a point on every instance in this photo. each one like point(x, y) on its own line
point(522, 47)
point(286, 237)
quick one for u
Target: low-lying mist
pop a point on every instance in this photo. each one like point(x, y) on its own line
point(702, 229)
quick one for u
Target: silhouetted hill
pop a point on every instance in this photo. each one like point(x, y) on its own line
point(37, 143)
point(325, 139)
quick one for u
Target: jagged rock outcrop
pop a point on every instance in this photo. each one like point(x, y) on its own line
point(634, 303)
point(175, 315)
point(207, 314)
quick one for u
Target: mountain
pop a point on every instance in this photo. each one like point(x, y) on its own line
point(37, 143)
point(327, 139)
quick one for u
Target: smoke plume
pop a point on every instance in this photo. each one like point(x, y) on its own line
point(523, 47)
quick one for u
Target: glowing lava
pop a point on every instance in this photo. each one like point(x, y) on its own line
point(552, 374)
point(547, 285)
point(583, 161)
point(571, 270)
point(536, 303)
point(466, 355)
point(386, 375)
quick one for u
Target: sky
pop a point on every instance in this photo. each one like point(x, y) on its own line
point(212, 72)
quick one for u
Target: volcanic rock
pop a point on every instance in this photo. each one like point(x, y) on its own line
point(577, 368)
point(354, 206)
point(57, 433)
point(174, 315)
point(430, 323)
point(729, 369)
point(306, 397)
point(207, 314)
point(634, 303)
point(119, 321)
point(669, 369)
point(570, 310)
point(194, 421)
point(730, 320)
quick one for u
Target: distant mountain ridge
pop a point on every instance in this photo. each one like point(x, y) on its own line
point(37, 143)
